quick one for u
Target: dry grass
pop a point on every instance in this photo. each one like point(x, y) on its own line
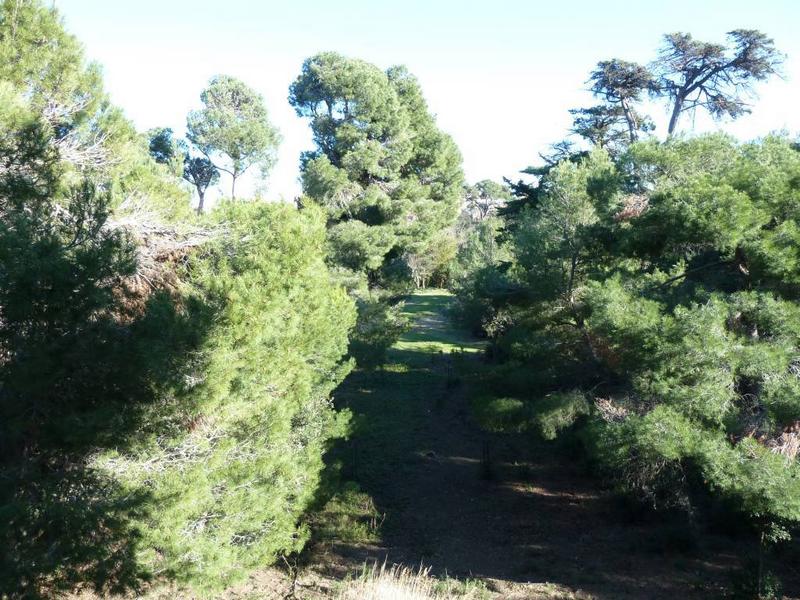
point(402, 583)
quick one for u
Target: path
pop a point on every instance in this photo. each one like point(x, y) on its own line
point(420, 457)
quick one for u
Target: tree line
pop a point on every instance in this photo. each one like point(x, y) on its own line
point(640, 297)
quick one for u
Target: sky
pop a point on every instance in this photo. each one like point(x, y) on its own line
point(500, 75)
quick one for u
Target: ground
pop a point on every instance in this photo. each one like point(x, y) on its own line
point(520, 516)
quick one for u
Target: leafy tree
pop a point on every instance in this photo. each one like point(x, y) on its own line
point(201, 173)
point(58, 265)
point(52, 73)
point(386, 175)
point(163, 147)
point(140, 432)
point(197, 170)
point(230, 481)
point(432, 264)
point(669, 295)
point(554, 246)
point(604, 126)
point(694, 74)
point(621, 84)
point(69, 254)
point(484, 198)
point(233, 124)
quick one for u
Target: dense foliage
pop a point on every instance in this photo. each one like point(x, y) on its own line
point(388, 178)
point(663, 288)
point(233, 466)
point(165, 380)
point(232, 130)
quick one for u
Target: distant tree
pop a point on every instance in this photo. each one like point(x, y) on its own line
point(482, 199)
point(387, 176)
point(162, 145)
point(558, 151)
point(233, 124)
point(527, 193)
point(432, 263)
point(166, 150)
point(621, 84)
point(201, 173)
point(176, 154)
point(694, 74)
point(605, 126)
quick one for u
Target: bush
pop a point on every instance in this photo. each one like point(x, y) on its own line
point(170, 426)
point(559, 411)
point(230, 475)
point(184, 433)
point(380, 324)
point(666, 279)
point(501, 414)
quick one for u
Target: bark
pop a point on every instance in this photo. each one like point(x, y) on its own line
point(202, 197)
point(630, 120)
point(676, 112)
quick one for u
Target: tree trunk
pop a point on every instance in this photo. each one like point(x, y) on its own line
point(233, 187)
point(676, 112)
point(202, 197)
point(631, 123)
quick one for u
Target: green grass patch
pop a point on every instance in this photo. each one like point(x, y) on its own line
point(388, 405)
point(350, 516)
point(501, 414)
point(546, 416)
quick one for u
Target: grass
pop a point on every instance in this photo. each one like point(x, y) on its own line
point(389, 405)
point(350, 516)
point(428, 309)
point(402, 583)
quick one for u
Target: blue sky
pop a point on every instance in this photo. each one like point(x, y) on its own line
point(499, 75)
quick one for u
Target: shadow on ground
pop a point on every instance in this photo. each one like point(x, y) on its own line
point(500, 507)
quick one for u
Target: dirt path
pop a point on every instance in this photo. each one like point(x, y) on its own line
point(526, 517)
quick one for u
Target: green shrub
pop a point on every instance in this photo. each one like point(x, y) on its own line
point(501, 414)
point(379, 325)
point(229, 482)
point(559, 411)
point(667, 280)
point(166, 427)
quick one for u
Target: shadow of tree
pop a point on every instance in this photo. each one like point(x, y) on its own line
point(417, 455)
point(65, 524)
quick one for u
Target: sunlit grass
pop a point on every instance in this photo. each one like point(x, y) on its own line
point(388, 405)
point(432, 332)
point(401, 583)
point(350, 516)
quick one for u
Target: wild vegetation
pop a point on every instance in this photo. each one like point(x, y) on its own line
point(165, 378)
point(646, 297)
point(167, 374)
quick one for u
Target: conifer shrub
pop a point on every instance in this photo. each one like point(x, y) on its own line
point(558, 411)
point(235, 462)
point(662, 287)
point(164, 382)
point(379, 325)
